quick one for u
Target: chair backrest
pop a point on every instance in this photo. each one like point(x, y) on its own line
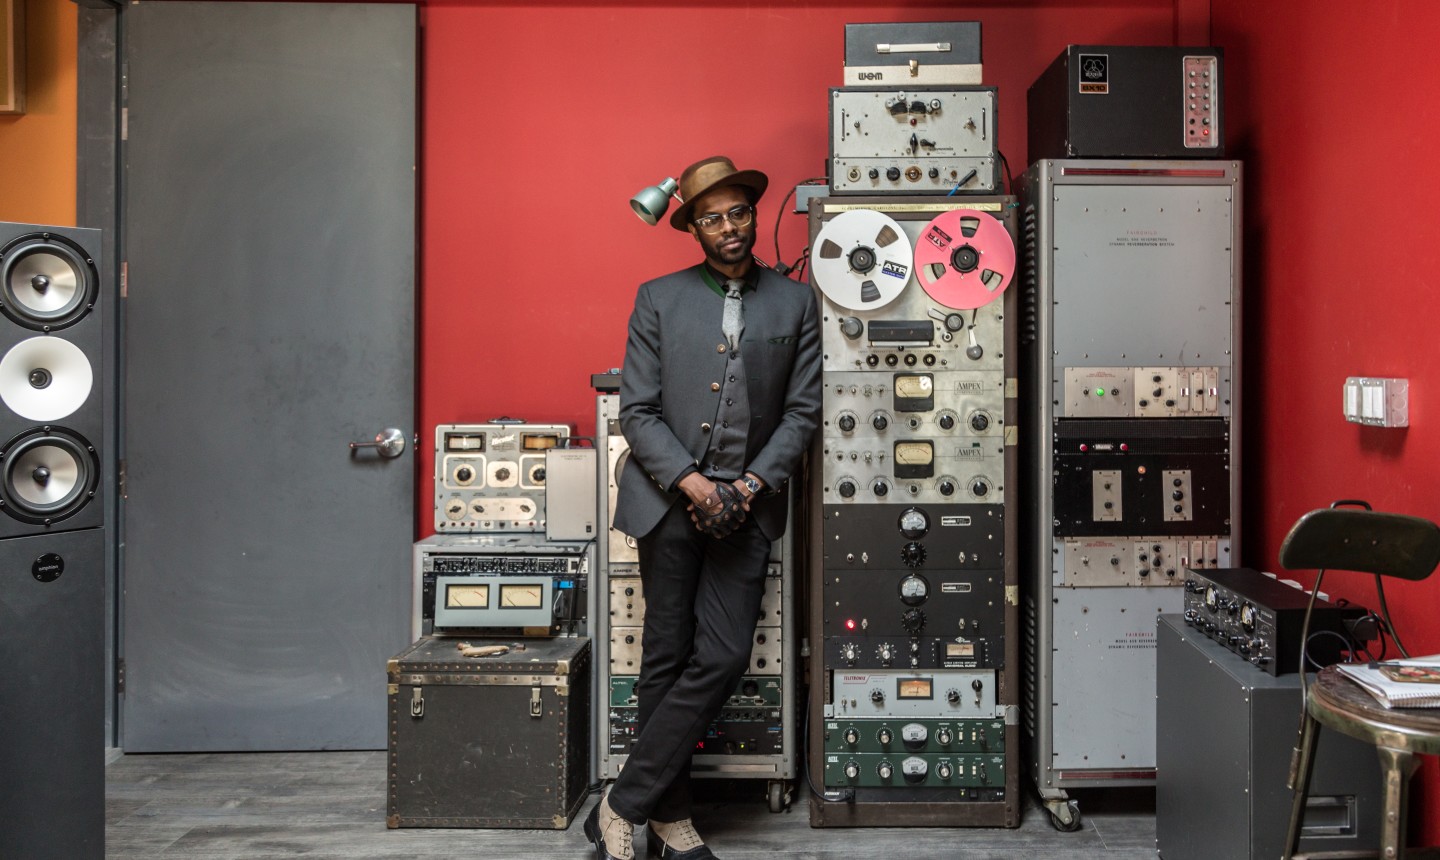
point(1364, 541)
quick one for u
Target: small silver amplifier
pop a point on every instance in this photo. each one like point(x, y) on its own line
point(916, 140)
point(519, 583)
point(492, 477)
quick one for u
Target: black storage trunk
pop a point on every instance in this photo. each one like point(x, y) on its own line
point(489, 741)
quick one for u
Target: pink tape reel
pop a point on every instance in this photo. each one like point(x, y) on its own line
point(964, 259)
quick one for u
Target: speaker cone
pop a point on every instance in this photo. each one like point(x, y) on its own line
point(46, 282)
point(49, 474)
point(45, 378)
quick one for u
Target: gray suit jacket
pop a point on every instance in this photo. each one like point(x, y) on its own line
point(669, 398)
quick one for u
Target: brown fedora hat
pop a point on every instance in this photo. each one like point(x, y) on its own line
point(705, 176)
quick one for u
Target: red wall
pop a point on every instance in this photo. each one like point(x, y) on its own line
point(542, 119)
point(1330, 105)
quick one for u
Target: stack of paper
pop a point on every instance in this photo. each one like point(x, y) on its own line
point(1413, 683)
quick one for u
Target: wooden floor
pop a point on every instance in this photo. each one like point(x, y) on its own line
point(332, 805)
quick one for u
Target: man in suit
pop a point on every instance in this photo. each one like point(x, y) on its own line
point(718, 401)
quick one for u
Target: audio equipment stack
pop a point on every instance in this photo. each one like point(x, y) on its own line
point(52, 542)
point(754, 736)
point(1260, 618)
point(913, 713)
point(1130, 341)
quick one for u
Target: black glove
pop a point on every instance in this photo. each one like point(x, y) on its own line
point(727, 517)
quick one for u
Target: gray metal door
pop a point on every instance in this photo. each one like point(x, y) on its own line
point(270, 250)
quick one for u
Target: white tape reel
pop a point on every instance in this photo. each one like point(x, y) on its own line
point(861, 260)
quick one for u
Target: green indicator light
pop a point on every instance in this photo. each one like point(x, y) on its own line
point(1099, 392)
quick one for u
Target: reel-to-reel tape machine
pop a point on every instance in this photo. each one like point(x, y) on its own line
point(916, 576)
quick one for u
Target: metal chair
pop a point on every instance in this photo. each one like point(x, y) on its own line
point(1383, 544)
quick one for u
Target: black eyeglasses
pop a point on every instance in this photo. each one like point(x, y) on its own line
point(740, 216)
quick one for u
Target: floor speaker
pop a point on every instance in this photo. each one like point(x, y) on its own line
point(52, 544)
point(50, 405)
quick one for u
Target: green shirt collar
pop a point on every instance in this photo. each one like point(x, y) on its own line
point(716, 281)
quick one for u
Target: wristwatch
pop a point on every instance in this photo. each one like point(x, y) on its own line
point(752, 484)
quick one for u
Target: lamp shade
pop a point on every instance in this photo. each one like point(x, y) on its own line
point(651, 203)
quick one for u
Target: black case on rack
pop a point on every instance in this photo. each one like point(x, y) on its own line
point(498, 741)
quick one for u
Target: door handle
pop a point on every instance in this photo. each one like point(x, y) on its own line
point(389, 442)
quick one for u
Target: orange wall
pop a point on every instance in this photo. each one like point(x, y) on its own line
point(37, 149)
point(1329, 107)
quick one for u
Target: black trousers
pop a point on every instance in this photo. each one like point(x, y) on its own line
point(702, 600)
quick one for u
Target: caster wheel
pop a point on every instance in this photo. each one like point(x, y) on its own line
point(1065, 817)
point(776, 794)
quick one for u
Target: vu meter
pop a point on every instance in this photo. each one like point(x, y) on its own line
point(464, 594)
point(914, 459)
point(914, 392)
point(522, 596)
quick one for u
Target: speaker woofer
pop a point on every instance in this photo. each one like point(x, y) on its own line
point(49, 474)
point(46, 281)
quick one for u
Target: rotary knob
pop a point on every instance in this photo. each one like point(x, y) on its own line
point(892, 174)
point(852, 736)
point(952, 696)
point(877, 695)
point(943, 737)
point(913, 620)
point(884, 736)
point(885, 770)
point(881, 488)
point(943, 770)
point(464, 475)
point(852, 770)
point(879, 421)
point(851, 327)
point(874, 173)
point(847, 489)
point(979, 422)
point(886, 653)
point(947, 487)
point(980, 488)
point(847, 652)
point(913, 553)
point(946, 421)
point(846, 423)
point(502, 474)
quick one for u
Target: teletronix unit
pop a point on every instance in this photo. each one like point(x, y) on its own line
point(1130, 337)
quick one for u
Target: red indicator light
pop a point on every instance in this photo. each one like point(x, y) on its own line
point(1124, 447)
point(1084, 447)
point(1205, 132)
point(850, 624)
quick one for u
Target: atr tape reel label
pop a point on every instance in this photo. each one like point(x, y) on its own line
point(964, 259)
point(862, 260)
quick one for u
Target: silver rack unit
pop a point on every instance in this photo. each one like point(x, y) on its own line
point(755, 735)
point(1130, 413)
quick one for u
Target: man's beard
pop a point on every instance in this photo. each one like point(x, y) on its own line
point(738, 254)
